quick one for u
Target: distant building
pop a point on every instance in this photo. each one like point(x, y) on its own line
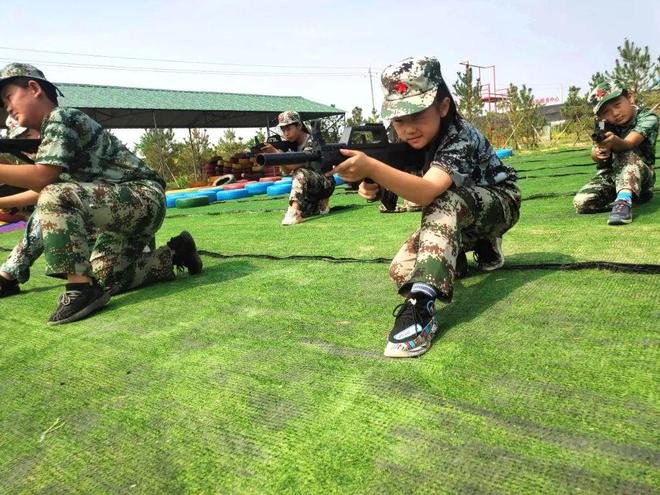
point(552, 113)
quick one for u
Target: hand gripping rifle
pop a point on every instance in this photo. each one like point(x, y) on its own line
point(601, 127)
point(371, 139)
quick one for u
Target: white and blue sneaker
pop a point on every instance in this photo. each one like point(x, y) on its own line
point(414, 327)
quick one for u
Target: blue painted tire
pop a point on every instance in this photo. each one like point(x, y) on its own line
point(259, 187)
point(277, 190)
point(232, 194)
point(192, 202)
point(170, 200)
point(287, 179)
point(338, 180)
point(504, 153)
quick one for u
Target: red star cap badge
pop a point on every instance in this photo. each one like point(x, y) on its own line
point(400, 87)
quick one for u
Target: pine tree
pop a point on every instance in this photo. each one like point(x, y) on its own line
point(634, 69)
point(158, 148)
point(469, 95)
point(596, 79)
point(356, 117)
point(524, 117)
point(229, 144)
point(577, 112)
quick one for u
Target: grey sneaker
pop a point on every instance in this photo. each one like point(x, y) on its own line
point(621, 214)
point(77, 302)
point(488, 254)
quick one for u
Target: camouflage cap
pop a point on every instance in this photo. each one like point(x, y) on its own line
point(410, 86)
point(13, 129)
point(288, 117)
point(15, 69)
point(604, 92)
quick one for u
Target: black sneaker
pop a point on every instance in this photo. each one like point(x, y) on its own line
point(8, 287)
point(414, 327)
point(78, 301)
point(461, 265)
point(488, 254)
point(621, 213)
point(185, 253)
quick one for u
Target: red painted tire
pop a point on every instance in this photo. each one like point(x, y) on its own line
point(231, 187)
point(270, 179)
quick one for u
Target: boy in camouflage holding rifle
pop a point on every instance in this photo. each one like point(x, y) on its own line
point(631, 174)
point(89, 183)
point(310, 189)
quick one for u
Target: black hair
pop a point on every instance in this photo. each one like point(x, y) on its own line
point(452, 117)
point(49, 89)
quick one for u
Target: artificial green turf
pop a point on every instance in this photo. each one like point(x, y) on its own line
point(266, 376)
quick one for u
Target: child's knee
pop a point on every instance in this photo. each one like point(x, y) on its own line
point(55, 196)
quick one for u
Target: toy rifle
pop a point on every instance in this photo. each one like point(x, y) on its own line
point(276, 141)
point(371, 139)
point(601, 127)
point(18, 148)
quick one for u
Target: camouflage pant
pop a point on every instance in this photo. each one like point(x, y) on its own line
point(309, 188)
point(125, 216)
point(26, 252)
point(450, 225)
point(628, 171)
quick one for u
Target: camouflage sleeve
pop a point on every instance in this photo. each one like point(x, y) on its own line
point(59, 144)
point(647, 126)
point(451, 159)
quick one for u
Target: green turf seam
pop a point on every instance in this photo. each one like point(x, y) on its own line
point(649, 269)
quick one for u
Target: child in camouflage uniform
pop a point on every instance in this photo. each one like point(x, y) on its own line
point(310, 189)
point(470, 197)
point(631, 174)
point(89, 183)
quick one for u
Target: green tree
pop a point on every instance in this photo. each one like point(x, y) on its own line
point(524, 117)
point(468, 92)
point(634, 68)
point(578, 114)
point(356, 117)
point(259, 137)
point(596, 79)
point(374, 118)
point(194, 152)
point(229, 144)
point(158, 147)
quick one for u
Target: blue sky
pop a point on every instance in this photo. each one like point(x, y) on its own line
point(547, 45)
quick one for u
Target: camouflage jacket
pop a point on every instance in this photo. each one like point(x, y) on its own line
point(467, 156)
point(87, 152)
point(646, 123)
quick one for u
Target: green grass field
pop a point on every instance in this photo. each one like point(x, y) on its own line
point(267, 376)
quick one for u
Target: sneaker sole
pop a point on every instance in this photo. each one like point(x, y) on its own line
point(500, 264)
point(619, 222)
point(399, 353)
point(490, 268)
point(97, 304)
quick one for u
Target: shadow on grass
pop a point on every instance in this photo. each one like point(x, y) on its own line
point(336, 211)
point(472, 300)
point(212, 275)
point(647, 208)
